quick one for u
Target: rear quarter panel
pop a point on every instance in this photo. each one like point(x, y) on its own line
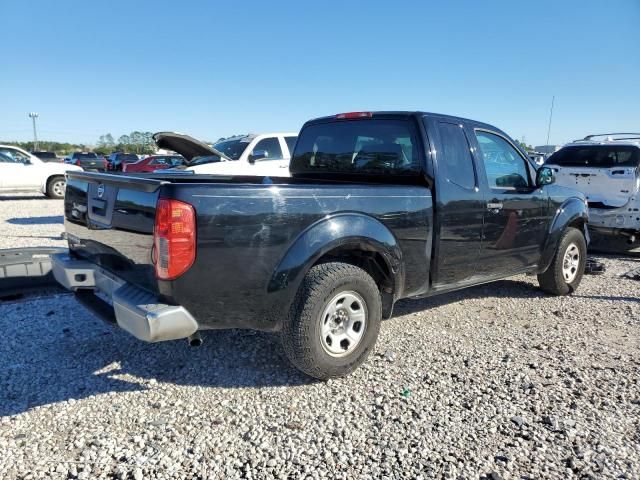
point(245, 232)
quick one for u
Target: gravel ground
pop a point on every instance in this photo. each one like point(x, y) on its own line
point(497, 381)
point(30, 221)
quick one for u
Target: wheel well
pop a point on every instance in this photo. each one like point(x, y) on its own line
point(577, 223)
point(371, 262)
point(50, 178)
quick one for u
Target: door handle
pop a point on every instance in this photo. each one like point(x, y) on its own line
point(494, 207)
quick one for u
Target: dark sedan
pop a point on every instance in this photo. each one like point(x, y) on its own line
point(87, 160)
point(118, 159)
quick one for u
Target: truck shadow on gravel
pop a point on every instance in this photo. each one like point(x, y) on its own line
point(47, 220)
point(79, 356)
point(24, 197)
point(498, 289)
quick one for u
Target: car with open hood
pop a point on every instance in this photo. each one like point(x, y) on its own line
point(267, 154)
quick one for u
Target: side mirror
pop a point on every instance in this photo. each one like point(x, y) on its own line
point(545, 176)
point(257, 155)
point(27, 161)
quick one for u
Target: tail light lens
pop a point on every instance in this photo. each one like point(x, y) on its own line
point(174, 238)
point(78, 162)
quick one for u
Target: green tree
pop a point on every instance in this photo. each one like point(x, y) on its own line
point(525, 147)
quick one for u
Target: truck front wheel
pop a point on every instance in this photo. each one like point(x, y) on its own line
point(565, 272)
point(334, 321)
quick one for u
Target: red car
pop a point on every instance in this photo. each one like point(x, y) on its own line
point(153, 163)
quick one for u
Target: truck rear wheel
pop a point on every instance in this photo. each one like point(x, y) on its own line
point(56, 186)
point(565, 272)
point(334, 321)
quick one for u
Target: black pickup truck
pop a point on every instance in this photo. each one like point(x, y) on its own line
point(379, 207)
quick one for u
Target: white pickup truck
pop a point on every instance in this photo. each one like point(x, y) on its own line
point(606, 168)
point(267, 154)
point(20, 171)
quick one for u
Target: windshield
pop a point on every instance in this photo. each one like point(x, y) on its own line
point(357, 146)
point(233, 148)
point(596, 156)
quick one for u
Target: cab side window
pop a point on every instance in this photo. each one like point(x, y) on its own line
point(271, 146)
point(456, 163)
point(505, 167)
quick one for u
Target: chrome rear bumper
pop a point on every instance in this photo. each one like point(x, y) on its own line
point(136, 311)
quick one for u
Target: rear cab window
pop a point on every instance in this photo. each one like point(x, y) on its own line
point(596, 156)
point(456, 163)
point(363, 146)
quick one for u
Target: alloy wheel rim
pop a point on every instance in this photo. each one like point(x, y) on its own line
point(343, 323)
point(58, 188)
point(571, 263)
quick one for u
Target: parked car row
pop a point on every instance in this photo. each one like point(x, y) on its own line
point(606, 168)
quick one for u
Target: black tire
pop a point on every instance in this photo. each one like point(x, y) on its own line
point(553, 280)
point(302, 337)
point(56, 187)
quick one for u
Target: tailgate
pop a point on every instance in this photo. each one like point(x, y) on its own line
point(91, 163)
point(109, 221)
point(612, 187)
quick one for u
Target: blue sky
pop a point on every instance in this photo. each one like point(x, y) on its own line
point(214, 69)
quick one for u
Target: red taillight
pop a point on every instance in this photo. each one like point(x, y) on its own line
point(355, 115)
point(78, 162)
point(174, 238)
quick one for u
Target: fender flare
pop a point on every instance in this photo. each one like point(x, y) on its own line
point(362, 232)
point(573, 209)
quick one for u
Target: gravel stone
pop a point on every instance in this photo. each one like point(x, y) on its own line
point(80, 399)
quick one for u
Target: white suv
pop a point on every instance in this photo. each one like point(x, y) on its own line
point(21, 171)
point(267, 154)
point(606, 168)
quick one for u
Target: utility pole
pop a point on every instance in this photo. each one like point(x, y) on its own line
point(33, 116)
point(550, 117)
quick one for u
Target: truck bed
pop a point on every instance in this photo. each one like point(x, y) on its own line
point(253, 235)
